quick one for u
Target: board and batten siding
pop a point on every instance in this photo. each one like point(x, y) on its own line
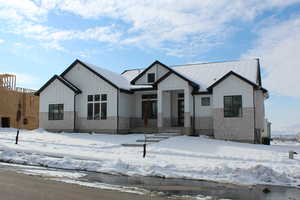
point(203, 116)
point(90, 84)
point(259, 110)
point(157, 69)
point(239, 128)
point(126, 111)
point(57, 93)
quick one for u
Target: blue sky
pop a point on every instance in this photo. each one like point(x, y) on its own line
point(42, 37)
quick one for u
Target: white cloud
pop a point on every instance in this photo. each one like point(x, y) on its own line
point(1, 41)
point(279, 46)
point(177, 27)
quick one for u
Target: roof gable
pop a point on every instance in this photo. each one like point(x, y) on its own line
point(196, 86)
point(63, 81)
point(147, 69)
point(110, 77)
point(256, 86)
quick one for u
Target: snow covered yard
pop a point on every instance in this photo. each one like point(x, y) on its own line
point(177, 157)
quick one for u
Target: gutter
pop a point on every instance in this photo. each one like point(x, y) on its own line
point(194, 117)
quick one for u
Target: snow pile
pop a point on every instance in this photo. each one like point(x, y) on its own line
point(177, 157)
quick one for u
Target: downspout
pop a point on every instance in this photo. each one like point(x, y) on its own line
point(118, 111)
point(74, 125)
point(254, 115)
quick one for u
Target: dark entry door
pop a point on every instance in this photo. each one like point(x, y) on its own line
point(180, 112)
point(5, 122)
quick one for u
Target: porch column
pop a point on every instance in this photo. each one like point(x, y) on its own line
point(187, 112)
point(159, 109)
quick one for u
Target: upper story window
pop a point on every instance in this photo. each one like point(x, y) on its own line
point(97, 107)
point(233, 106)
point(56, 112)
point(151, 77)
point(205, 101)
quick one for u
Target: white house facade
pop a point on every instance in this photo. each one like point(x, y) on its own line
point(224, 100)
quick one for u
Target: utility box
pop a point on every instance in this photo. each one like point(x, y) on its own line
point(291, 154)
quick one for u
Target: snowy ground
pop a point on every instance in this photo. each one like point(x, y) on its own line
point(177, 157)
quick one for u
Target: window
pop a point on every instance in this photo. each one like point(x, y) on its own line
point(90, 98)
point(25, 121)
point(97, 111)
point(103, 110)
point(149, 106)
point(90, 111)
point(97, 107)
point(233, 106)
point(180, 95)
point(205, 101)
point(56, 112)
point(151, 77)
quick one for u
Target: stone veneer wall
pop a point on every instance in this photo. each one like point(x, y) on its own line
point(238, 129)
point(204, 126)
point(67, 124)
point(139, 123)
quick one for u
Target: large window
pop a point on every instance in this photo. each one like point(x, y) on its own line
point(149, 106)
point(97, 107)
point(56, 112)
point(151, 77)
point(233, 106)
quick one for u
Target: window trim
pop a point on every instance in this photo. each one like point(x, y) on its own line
point(202, 101)
point(52, 116)
point(233, 108)
point(150, 74)
point(96, 109)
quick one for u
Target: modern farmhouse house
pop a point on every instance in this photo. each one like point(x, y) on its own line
point(222, 99)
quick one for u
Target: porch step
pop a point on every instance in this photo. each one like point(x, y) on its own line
point(147, 140)
point(158, 137)
point(143, 130)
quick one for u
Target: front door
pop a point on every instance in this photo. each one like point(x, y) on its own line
point(5, 122)
point(180, 112)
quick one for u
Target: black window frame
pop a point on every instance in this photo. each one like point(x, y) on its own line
point(151, 77)
point(233, 106)
point(56, 112)
point(205, 101)
point(94, 108)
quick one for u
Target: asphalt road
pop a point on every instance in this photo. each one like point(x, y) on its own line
point(16, 186)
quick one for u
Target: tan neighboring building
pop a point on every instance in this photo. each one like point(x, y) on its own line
point(12, 99)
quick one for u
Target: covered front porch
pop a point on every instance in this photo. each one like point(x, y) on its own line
point(174, 111)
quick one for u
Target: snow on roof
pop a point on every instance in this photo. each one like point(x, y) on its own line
point(131, 74)
point(141, 86)
point(113, 77)
point(208, 73)
point(205, 74)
